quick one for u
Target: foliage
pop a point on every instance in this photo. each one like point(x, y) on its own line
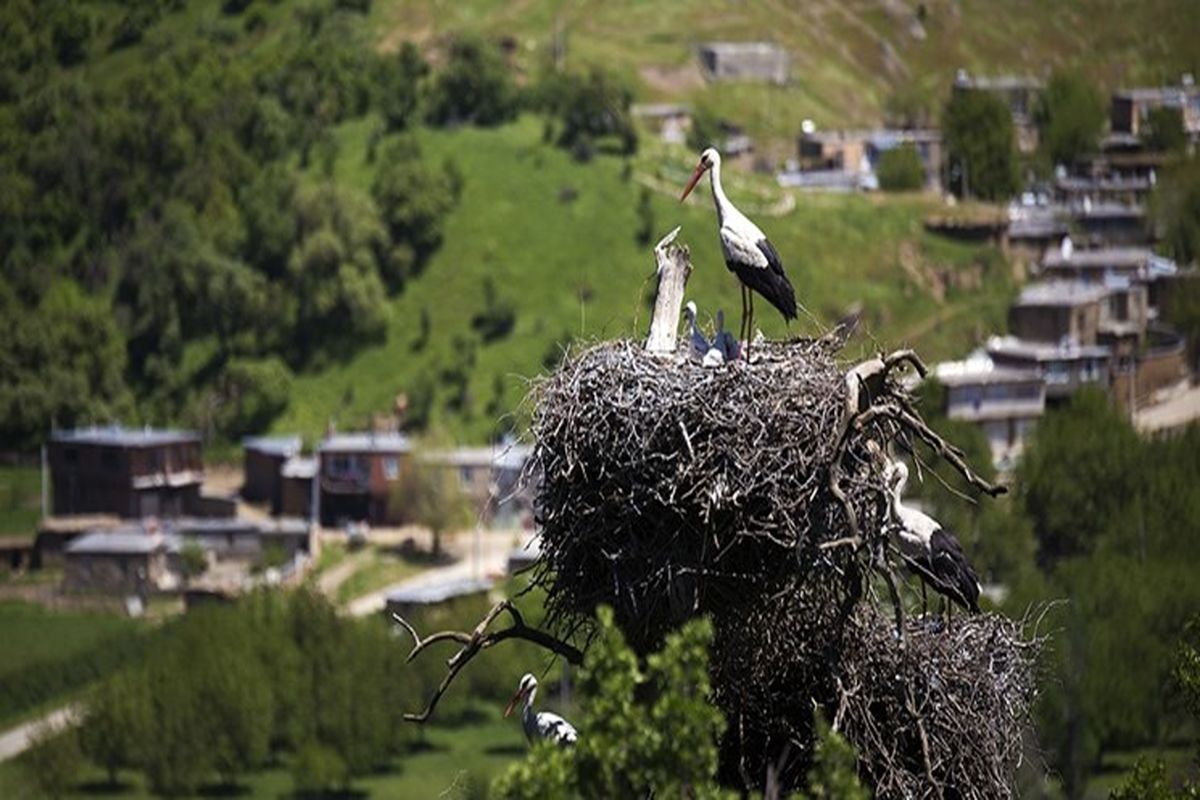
point(399, 75)
point(1177, 209)
point(705, 131)
point(1070, 116)
point(117, 717)
point(60, 362)
point(644, 731)
point(475, 87)
point(900, 169)
point(193, 559)
point(594, 108)
point(1163, 131)
point(250, 393)
point(318, 771)
point(429, 494)
point(1078, 472)
point(980, 146)
point(1148, 781)
point(834, 774)
point(53, 760)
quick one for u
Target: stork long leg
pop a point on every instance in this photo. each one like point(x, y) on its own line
point(924, 601)
point(749, 325)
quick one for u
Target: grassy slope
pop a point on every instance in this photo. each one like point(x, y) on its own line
point(847, 57)
point(20, 500)
point(540, 251)
point(33, 635)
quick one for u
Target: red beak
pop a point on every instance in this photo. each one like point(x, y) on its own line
point(513, 703)
point(692, 183)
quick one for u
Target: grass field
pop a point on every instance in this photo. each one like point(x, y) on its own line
point(20, 500)
point(449, 760)
point(557, 240)
point(380, 570)
point(33, 635)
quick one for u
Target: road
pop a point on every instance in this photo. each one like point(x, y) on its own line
point(1175, 412)
point(15, 741)
point(494, 545)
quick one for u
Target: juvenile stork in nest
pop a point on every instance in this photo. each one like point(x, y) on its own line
point(930, 550)
point(748, 253)
point(540, 724)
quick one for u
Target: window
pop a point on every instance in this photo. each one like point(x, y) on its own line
point(391, 467)
point(1056, 372)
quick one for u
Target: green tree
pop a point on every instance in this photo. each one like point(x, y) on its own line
point(1078, 471)
point(1176, 205)
point(980, 149)
point(834, 773)
point(475, 87)
point(116, 725)
point(643, 732)
point(53, 761)
point(594, 108)
point(1148, 781)
point(396, 86)
point(900, 169)
point(1163, 131)
point(705, 131)
point(1070, 116)
point(429, 494)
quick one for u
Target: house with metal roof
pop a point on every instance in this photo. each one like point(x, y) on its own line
point(1131, 107)
point(132, 560)
point(262, 458)
point(1005, 402)
point(130, 472)
point(357, 473)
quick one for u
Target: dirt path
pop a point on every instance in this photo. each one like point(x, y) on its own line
point(15, 741)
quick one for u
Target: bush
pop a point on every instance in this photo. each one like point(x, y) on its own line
point(1070, 116)
point(475, 87)
point(594, 108)
point(980, 149)
point(318, 771)
point(53, 762)
point(900, 169)
point(1163, 130)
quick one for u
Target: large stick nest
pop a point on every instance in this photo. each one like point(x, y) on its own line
point(668, 489)
point(750, 493)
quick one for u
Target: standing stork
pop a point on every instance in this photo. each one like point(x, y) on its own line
point(929, 549)
point(540, 724)
point(748, 253)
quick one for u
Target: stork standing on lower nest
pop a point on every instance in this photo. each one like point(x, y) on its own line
point(748, 253)
point(540, 725)
point(929, 549)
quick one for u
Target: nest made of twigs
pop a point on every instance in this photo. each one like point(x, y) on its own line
point(668, 489)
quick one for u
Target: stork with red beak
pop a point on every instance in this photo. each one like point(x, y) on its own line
point(541, 724)
point(748, 253)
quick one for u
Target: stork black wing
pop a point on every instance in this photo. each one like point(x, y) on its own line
point(955, 574)
point(771, 282)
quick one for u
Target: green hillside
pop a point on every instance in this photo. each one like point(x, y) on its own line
point(557, 240)
point(848, 58)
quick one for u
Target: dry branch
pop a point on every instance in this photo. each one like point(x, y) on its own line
point(478, 640)
point(674, 267)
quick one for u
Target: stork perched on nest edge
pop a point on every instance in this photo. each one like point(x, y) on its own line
point(748, 253)
point(540, 724)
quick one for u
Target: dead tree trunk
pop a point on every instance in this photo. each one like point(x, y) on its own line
point(674, 268)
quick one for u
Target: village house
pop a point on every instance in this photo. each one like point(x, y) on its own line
point(669, 121)
point(357, 474)
point(1020, 94)
point(744, 61)
point(1111, 224)
point(857, 152)
point(1005, 402)
point(1054, 311)
point(126, 472)
point(297, 476)
point(1065, 366)
point(263, 458)
point(1130, 107)
point(1074, 190)
point(127, 561)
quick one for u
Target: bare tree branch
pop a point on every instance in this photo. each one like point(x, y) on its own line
point(478, 640)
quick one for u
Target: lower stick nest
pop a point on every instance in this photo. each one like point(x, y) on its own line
point(749, 493)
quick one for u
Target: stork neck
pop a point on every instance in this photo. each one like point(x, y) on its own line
point(897, 495)
point(722, 202)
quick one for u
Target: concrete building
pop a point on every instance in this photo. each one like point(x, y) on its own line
point(1056, 311)
point(1065, 366)
point(126, 472)
point(1005, 402)
point(1111, 224)
point(1131, 107)
point(491, 477)
point(296, 478)
point(858, 152)
point(745, 61)
point(130, 560)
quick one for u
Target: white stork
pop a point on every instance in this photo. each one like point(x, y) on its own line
point(929, 549)
point(748, 253)
point(540, 724)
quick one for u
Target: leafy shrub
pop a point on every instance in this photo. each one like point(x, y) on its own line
point(900, 169)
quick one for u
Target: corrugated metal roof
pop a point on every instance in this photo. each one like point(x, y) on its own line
point(365, 442)
point(288, 445)
point(118, 436)
point(128, 541)
point(438, 592)
point(1099, 258)
point(1061, 293)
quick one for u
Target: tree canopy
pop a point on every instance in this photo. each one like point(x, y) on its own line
point(1070, 115)
point(980, 147)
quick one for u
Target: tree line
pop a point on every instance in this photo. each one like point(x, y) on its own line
point(176, 243)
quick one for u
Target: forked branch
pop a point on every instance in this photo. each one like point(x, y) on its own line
point(480, 639)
